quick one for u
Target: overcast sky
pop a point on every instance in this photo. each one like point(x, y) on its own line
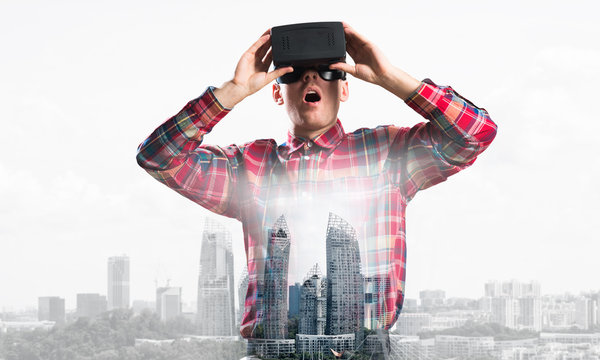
point(83, 83)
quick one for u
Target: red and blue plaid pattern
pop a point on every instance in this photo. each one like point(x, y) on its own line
point(379, 169)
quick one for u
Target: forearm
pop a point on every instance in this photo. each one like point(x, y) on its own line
point(399, 83)
point(182, 133)
point(229, 94)
point(460, 129)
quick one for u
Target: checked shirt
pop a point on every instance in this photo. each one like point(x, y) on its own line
point(366, 178)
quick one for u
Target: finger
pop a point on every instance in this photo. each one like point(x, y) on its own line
point(278, 72)
point(354, 40)
point(268, 58)
point(350, 69)
point(257, 45)
point(262, 51)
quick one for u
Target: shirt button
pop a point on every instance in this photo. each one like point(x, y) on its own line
point(306, 158)
point(309, 143)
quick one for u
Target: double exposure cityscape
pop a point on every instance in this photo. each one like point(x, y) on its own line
point(330, 313)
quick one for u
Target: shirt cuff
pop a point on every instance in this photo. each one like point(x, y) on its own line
point(211, 92)
point(202, 113)
point(425, 99)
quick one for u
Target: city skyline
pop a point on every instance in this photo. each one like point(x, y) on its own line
point(486, 290)
point(73, 195)
point(525, 315)
point(469, 326)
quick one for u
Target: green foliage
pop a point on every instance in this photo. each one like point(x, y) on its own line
point(258, 332)
point(293, 324)
point(472, 329)
point(112, 336)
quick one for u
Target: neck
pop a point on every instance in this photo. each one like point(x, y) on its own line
point(310, 133)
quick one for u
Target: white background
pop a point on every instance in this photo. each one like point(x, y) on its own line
point(83, 83)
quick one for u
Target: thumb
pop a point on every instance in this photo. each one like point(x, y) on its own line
point(278, 72)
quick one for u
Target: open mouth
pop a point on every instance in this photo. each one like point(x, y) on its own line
point(312, 96)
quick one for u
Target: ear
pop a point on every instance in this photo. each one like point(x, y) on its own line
point(344, 93)
point(277, 96)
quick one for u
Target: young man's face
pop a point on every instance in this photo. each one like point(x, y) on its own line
point(311, 102)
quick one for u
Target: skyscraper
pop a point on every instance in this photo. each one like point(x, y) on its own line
point(503, 311)
point(168, 302)
point(313, 303)
point(585, 312)
point(375, 288)
point(431, 298)
point(118, 282)
point(216, 298)
point(276, 275)
point(294, 299)
point(51, 308)
point(514, 304)
point(493, 288)
point(90, 305)
point(530, 312)
point(345, 295)
point(242, 290)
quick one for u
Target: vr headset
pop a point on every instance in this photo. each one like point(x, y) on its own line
point(309, 46)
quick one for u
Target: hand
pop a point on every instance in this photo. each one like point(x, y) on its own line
point(369, 62)
point(251, 73)
point(371, 65)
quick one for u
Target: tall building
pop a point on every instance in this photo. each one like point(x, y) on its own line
point(216, 297)
point(276, 275)
point(168, 302)
point(313, 303)
point(345, 295)
point(531, 289)
point(585, 313)
point(90, 305)
point(493, 288)
point(514, 304)
point(51, 308)
point(118, 282)
point(503, 311)
point(242, 290)
point(430, 298)
point(530, 313)
point(294, 299)
point(512, 288)
point(376, 287)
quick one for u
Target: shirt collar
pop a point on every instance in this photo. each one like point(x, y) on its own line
point(329, 139)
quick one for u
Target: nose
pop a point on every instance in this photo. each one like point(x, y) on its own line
point(310, 74)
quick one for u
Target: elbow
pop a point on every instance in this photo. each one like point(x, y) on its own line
point(141, 158)
point(487, 131)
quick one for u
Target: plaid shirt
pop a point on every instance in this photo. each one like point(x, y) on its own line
point(374, 172)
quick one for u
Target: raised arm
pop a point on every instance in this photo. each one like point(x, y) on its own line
point(251, 73)
point(174, 154)
point(457, 131)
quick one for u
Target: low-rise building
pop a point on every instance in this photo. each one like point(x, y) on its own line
point(448, 346)
point(315, 344)
point(13, 326)
point(271, 348)
point(410, 324)
point(593, 339)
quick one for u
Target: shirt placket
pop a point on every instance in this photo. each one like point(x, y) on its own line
point(304, 168)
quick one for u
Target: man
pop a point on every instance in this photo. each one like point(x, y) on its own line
point(360, 181)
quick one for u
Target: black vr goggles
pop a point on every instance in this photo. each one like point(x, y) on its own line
point(309, 46)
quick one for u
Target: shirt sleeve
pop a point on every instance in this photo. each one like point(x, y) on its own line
point(174, 155)
point(456, 133)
